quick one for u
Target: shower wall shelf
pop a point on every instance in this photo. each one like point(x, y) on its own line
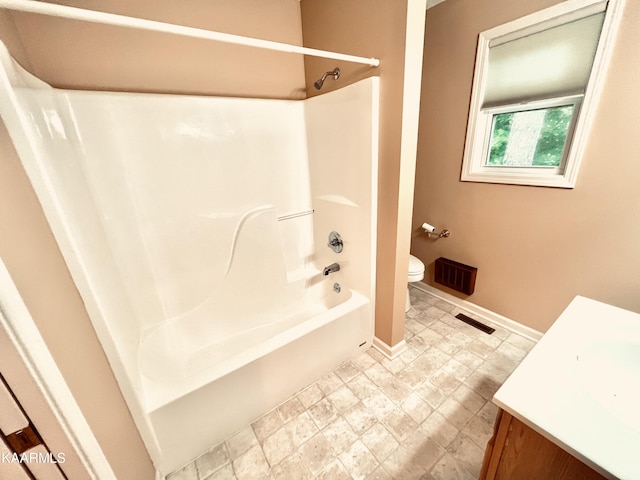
point(75, 13)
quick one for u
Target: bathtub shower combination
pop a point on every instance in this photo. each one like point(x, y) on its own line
point(203, 235)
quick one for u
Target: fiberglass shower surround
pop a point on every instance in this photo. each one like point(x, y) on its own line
point(196, 230)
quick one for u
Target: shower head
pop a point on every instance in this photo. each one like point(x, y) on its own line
point(335, 74)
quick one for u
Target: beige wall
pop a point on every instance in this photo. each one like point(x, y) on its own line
point(371, 29)
point(535, 248)
point(81, 55)
point(75, 55)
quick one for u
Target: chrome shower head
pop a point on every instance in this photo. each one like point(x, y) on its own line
point(335, 74)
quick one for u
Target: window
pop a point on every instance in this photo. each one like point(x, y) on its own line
point(534, 91)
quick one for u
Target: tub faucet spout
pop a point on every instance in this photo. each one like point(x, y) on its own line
point(334, 267)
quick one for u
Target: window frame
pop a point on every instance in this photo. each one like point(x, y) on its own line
point(478, 137)
point(487, 115)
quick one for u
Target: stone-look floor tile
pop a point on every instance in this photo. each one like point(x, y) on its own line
point(479, 430)
point(301, 429)
point(448, 346)
point(520, 342)
point(343, 399)
point(379, 404)
point(461, 339)
point(212, 460)
point(500, 332)
point(224, 473)
point(491, 341)
point(323, 413)
point(493, 371)
point(439, 429)
point(407, 357)
point(480, 349)
point(379, 474)
point(413, 325)
point(436, 357)
point(455, 412)
point(316, 453)
point(187, 472)
point(378, 374)
point(417, 343)
point(470, 399)
point(363, 361)
point(424, 450)
point(395, 390)
point(512, 351)
point(358, 460)
point(431, 394)
point(333, 471)
point(411, 377)
point(416, 408)
point(442, 305)
point(482, 385)
point(329, 383)
point(379, 441)
point(277, 446)
point(292, 467)
point(310, 395)
point(241, 442)
point(443, 327)
point(489, 412)
point(430, 336)
point(340, 435)
point(362, 386)
point(251, 465)
point(267, 424)
point(463, 449)
point(457, 370)
point(347, 371)
point(448, 468)
point(434, 311)
point(394, 366)
point(446, 382)
point(376, 354)
point(399, 424)
point(400, 465)
point(502, 361)
point(468, 359)
point(360, 418)
point(290, 409)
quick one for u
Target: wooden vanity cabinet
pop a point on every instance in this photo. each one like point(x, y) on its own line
point(517, 452)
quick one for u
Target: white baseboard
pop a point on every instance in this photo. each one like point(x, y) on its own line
point(481, 312)
point(387, 351)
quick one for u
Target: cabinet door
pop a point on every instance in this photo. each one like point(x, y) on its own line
point(519, 452)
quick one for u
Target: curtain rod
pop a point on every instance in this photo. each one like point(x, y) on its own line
point(64, 11)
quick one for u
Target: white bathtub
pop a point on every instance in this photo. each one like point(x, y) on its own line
point(211, 404)
point(195, 229)
point(182, 354)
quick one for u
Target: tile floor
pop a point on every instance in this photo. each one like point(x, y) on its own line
point(425, 415)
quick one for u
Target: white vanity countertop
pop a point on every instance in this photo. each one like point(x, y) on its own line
point(580, 387)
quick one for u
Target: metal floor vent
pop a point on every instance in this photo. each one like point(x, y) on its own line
point(475, 323)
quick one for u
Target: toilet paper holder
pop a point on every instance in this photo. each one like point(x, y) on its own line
point(431, 231)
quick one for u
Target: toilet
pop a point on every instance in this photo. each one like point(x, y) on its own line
point(416, 273)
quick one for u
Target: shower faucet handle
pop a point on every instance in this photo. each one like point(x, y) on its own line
point(335, 242)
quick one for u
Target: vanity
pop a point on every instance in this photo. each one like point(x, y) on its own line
point(571, 410)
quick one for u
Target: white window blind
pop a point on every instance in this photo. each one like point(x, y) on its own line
point(549, 63)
